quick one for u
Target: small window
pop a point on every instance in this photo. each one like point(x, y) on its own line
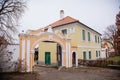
point(64, 31)
point(72, 30)
point(98, 39)
point(99, 53)
point(96, 53)
point(84, 55)
point(88, 36)
point(89, 54)
point(83, 34)
point(95, 38)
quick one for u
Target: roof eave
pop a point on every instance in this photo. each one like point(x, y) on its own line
point(89, 27)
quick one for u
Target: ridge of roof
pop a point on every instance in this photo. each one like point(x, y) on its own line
point(63, 21)
point(67, 20)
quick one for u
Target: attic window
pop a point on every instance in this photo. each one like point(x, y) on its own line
point(64, 31)
point(72, 30)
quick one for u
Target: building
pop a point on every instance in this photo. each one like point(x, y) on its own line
point(61, 43)
point(107, 49)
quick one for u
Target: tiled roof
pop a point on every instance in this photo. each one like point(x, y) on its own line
point(63, 21)
point(67, 20)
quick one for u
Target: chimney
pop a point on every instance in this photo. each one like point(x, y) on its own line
point(61, 14)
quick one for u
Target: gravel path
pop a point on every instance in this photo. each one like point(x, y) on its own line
point(81, 73)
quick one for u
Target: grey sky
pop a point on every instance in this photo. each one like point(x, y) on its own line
point(97, 14)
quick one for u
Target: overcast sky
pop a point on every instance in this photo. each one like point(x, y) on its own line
point(97, 14)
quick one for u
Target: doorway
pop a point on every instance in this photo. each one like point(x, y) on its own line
point(47, 58)
point(74, 59)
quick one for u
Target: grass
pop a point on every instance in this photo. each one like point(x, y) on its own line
point(116, 58)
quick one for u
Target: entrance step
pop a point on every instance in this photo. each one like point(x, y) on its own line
point(48, 66)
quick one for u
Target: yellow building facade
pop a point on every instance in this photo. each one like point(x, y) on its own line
point(61, 43)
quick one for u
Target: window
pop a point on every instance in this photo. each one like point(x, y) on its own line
point(95, 38)
point(64, 31)
point(88, 36)
point(89, 54)
point(99, 53)
point(98, 39)
point(84, 55)
point(96, 53)
point(72, 30)
point(83, 34)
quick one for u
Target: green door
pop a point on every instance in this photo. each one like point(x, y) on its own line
point(84, 55)
point(47, 58)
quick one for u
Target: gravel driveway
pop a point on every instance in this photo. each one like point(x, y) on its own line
point(81, 73)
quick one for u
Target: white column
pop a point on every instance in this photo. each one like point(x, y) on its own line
point(67, 51)
point(63, 51)
point(23, 55)
point(76, 59)
point(28, 55)
point(68, 55)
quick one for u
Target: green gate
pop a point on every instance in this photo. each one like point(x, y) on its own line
point(47, 58)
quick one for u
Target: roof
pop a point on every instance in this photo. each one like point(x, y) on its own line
point(67, 20)
point(63, 21)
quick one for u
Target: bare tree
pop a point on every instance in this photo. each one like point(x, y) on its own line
point(10, 12)
point(110, 35)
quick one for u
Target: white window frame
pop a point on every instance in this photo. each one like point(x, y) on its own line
point(72, 30)
point(64, 29)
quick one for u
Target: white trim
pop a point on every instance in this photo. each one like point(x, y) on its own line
point(28, 56)
point(23, 49)
point(62, 58)
point(41, 39)
point(63, 29)
point(66, 54)
point(89, 47)
point(72, 30)
point(23, 55)
point(63, 52)
point(69, 55)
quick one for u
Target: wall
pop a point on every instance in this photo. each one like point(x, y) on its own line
point(10, 58)
point(77, 41)
point(47, 47)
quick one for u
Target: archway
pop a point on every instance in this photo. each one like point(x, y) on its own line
point(50, 53)
point(28, 44)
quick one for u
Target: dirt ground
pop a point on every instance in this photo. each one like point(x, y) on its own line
point(81, 73)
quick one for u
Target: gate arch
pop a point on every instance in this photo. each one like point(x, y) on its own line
point(29, 41)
